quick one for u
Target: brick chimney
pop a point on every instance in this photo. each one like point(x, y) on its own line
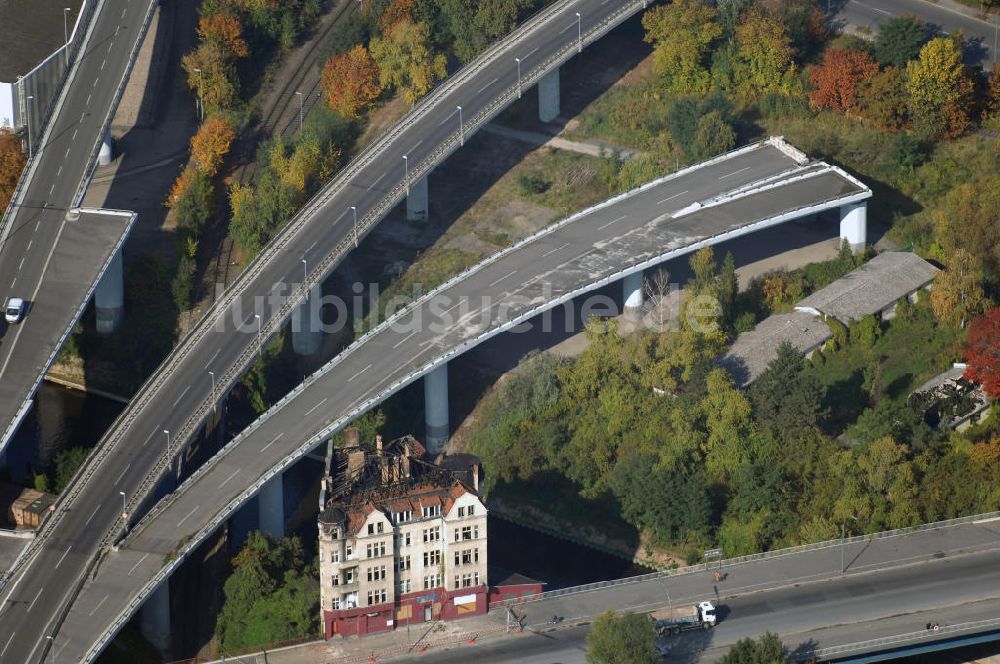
point(475, 477)
point(378, 443)
point(352, 437)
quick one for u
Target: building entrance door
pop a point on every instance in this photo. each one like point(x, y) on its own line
point(427, 613)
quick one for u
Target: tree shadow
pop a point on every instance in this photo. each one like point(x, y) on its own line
point(846, 400)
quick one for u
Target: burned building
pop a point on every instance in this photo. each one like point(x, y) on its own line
point(401, 540)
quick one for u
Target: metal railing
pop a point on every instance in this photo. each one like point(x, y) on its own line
point(902, 640)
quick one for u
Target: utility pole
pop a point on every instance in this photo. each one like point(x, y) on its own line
point(518, 61)
point(299, 94)
point(461, 127)
point(66, 10)
point(355, 211)
point(27, 114)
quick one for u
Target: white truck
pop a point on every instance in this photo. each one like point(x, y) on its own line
point(675, 621)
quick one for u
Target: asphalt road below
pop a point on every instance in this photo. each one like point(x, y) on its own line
point(27, 266)
point(981, 36)
point(819, 614)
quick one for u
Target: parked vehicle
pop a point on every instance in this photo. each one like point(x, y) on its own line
point(677, 620)
point(14, 311)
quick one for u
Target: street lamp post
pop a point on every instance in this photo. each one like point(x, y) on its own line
point(27, 114)
point(124, 511)
point(305, 272)
point(355, 211)
point(843, 542)
point(461, 127)
point(201, 103)
point(299, 94)
point(52, 646)
point(406, 173)
point(212, 374)
point(579, 33)
point(260, 344)
point(167, 448)
point(66, 11)
point(518, 61)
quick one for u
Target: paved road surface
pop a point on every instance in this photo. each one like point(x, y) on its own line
point(980, 35)
point(586, 251)
point(38, 228)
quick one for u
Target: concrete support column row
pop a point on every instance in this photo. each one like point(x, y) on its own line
point(436, 409)
point(417, 208)
point(154, 618)
point(109, 296)
point(854, 225)
point(307, 327)
point(107, 152)
point(632, 294)
point(271, 508)
point(548, 96)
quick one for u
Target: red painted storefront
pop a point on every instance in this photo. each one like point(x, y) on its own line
point(417, 607)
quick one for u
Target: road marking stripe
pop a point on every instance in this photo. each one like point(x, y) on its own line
point(487, 85)
point(528, 54)
point(123, 11)
point(110, 45)
point(404, 339)
point(92, 515)
point(273, 441)
point(73, 138)
point(119, 478)
point(37, 595)
point(416, 145)
point(188, 515)
point(311, 246)
point(150, 436)
point(103, 62)
point(95, 83)
point(63, 557)
point(51, 188)
point(359, 373)
point(495, 282)
point(59, 172)
point(137, 564)
point(37, 224)
point(30, 242)
point(87, 103)
point(313, 409)
point(377, 180)
point(745, 168)
point(882, 11)
point(670, 198)
point(213, 357)
point(226, 481)
point(182, 395)
point(552, 251)
point(450, 115)
point(94, 610)
point(66, 156)
point(613, 221)
point(6, 645)
point(21, 264)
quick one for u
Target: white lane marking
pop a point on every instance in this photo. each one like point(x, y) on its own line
point(13, 282)
point(450, 116)
point(103, 62)
point(74, 135)
point(529, 53)
point(30, 242)
point(226, 481)
point(496, 281)
point(93, 514)
point(745, 168)
point(311, 246)
point(150, 436)
point(51, 188)
point(313, 409)
point(571, 25)
point(377, 180)
point(59, 171)
point(880, 11)
point(487, 85)
point(119, 478)
point(182, 395)
point(95, 83)
point(118, 29)
point(552, 251)
point(123, 11)
point(415, 146)
point(212, 359)
point(613, 221)
point(188, 515)
point(109, 46)
point(66, 156)
point(94, 610)
point(359, 373)
point(276, 438)
point(404, 339)
point(6, 645)
point(21, 264)
point(137, 564)
point(37, 224)
point(670, 198)
point(63, 557)
point(37, 595)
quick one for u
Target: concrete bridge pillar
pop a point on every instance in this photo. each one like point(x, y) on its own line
point(436, 409)
point(107, 152)
point(154, 618)
point(109, 296)
point(548, 96)
point(307, 328)
point(271, 508)
point(854, 225)
point(632, 294)
point(416, 201)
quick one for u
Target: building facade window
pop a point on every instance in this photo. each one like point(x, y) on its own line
point(432, 534)
point(376, 573)
point(432, 558)
point(467, 557)
point(432, 581)
point(375, 549)
point(334, 603)
point(403, 564)
point(377, 596)
point(428, 511)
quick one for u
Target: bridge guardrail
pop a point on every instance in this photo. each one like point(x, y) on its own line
point(900, 640)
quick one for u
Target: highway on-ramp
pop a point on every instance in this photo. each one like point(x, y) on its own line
point(667, 218)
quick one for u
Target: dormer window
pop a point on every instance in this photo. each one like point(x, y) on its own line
point(428, 511)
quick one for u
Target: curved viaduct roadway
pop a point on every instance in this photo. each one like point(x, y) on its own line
point(180, 394)
point(735, 194)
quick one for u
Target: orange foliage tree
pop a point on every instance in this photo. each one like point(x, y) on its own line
point(226, 30)
point(12, 162)
point(983, 352)
point(351, 81)
point(400, 10)
point(211, 144)
point(838, 77)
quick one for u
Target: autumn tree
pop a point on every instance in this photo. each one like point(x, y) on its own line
point(991, 104)
point(406, 62)
point(682, 34)
point(982, 352)
point(225, 31)
point(967, 218)
point(764, 63)
point(899, 40)
point(622, 638)
point(940, 89)
point(838, 77)
point(398, 10)
point(211, 144)
point(883, 98)
point(12, 161)
point(211, 75)
point(958, 295)
point(350, 81)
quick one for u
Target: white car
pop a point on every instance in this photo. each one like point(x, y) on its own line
point(14, 311)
